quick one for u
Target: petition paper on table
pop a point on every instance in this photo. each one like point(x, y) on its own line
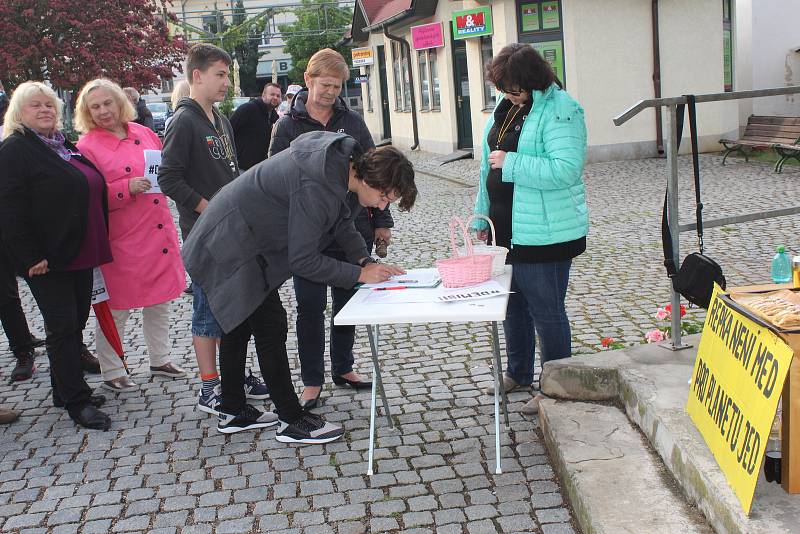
point(436, 295)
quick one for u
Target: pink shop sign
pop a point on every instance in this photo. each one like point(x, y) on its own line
point(427, 36)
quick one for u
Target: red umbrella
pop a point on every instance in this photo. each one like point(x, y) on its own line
point(103, 313)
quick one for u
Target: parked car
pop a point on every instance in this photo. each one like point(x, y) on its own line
point(160, 111)
point(238, 101)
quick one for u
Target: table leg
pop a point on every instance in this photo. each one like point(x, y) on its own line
point(498, 389)
point(498, 365)
point(376, 372)
point(790, 447)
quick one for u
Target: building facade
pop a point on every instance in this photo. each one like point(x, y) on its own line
point(422, 61)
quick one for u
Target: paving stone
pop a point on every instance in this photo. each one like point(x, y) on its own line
point(414, 519)
point(244, 524)
point(558, 528)
point(383, 524)
point(350, 511)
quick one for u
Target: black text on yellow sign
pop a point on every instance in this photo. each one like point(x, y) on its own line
point(737, 381)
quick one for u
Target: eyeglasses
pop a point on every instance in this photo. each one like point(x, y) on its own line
point(513, 93)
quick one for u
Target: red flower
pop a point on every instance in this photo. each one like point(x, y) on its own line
point(668, 307)
point(606, 341)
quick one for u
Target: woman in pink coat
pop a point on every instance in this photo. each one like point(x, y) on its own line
point(147, 271)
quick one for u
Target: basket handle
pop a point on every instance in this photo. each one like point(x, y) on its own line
point(455, 221)
point(491, 225)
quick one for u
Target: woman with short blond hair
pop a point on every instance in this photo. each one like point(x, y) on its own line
point(147, 271)
point(53, 214)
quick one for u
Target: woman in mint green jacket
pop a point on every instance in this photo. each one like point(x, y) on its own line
point(532, 188)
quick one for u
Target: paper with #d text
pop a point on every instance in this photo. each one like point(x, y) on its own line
point(427, 278)
point(438, 294)
point(152, 160)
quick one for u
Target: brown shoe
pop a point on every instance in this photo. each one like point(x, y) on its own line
point(169, 369)
point(89, 361)
point(8, 416)
point(532, 406)
point(121, 384)
point(508, 384)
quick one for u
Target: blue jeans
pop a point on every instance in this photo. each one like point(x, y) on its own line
point(312, 299)
point(536, 308)
point(204, 324)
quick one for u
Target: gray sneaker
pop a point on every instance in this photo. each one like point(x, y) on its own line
point(250, 418)
point(508, 384)
point(308, 429)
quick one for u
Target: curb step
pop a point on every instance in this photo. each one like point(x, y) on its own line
point(615, 483)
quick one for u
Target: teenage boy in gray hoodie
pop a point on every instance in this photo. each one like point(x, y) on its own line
point(199, 158)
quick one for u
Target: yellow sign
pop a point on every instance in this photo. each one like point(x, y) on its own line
point(362, 56)
point(737, 381)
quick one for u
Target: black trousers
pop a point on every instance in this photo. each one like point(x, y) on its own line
point(11, 315)
point(64, 298)
point(268, 326)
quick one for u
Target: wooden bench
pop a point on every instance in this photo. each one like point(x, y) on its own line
point(779, 133)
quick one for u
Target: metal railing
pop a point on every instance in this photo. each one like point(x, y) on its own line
point(672, 171)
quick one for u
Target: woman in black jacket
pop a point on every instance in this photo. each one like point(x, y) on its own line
point(54, 218)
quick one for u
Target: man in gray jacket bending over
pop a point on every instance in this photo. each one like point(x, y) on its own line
point(270, 223)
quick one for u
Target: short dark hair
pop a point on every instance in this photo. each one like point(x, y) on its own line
point(389, 171)
point(202, 55)
point(275, 85)
point(520, 65)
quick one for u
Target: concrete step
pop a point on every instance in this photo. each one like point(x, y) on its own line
point(615, 482)
point(652, 385)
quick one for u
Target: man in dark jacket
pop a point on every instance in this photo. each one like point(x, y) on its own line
point(143, 114)
point(198, 158)
point(319, 107)
point(252, 126)
point(270, 223)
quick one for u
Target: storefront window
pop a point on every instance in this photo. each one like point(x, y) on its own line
point(402, 85)
point(406, 82)
point(398, 85)
point(489, 92)
point(424, 80)
point(727, 44)
point(433, 63)
point(368, 74)
point(540, 24)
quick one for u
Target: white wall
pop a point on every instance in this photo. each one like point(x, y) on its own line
point(776, 36)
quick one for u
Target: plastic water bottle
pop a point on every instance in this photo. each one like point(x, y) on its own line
point(781, 267)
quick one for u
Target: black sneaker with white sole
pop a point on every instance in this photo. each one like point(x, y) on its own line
point(308, 429)
point(248, 419)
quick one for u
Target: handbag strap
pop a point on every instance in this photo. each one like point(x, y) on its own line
point(690, 100)
point(666, 234)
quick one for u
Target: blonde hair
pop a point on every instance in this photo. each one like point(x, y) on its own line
point(180, 90)
point(83, 117)
point(328, 62)
point(12, 121)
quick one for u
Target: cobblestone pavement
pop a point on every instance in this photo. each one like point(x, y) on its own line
point(164, 468)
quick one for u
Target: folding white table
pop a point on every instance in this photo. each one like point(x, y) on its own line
point(372, 315)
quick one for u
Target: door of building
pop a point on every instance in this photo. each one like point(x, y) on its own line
point(384, 96)
point(461, 82)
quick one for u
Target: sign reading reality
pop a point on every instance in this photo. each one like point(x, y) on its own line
point(472, 23)
point(737, 381)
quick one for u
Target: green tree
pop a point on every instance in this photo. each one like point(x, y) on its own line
point(319, 25)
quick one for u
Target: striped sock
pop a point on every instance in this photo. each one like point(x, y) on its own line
point(209, 383)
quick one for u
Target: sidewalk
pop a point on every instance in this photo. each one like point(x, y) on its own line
point(164, 468)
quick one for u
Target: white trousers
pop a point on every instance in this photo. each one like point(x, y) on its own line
point(155, 326)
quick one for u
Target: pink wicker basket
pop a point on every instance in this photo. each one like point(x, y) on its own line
point(468, 270)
